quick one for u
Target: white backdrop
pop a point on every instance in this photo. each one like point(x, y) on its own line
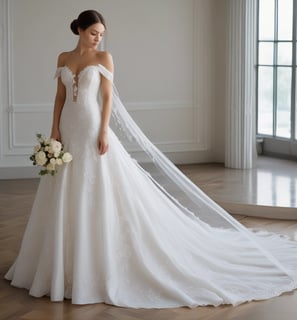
point(169, 60)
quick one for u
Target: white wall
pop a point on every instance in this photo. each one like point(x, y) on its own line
point(169, 69)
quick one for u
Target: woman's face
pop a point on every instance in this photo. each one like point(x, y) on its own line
point(92, 36)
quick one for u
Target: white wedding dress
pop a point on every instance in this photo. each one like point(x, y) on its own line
point(104, 230)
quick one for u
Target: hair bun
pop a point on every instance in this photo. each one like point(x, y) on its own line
point(74, 26)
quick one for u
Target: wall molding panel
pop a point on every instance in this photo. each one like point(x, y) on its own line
point(15, 114)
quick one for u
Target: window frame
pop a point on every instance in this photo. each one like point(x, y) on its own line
point(272, 144)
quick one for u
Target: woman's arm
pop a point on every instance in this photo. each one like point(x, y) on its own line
point(58, 106)
point(106, 93)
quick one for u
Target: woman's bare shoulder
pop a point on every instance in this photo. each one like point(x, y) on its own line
point(105, 58)
point(62, 58)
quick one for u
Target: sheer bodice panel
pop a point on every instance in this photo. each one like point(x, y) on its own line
point(83, 87)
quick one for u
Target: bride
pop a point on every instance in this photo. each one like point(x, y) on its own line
point(104, 230)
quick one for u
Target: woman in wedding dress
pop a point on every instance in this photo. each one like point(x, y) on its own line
point(104, 230)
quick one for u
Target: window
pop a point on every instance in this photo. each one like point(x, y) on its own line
point(276, 79)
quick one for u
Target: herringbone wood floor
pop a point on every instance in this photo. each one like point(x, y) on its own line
point(16, 197)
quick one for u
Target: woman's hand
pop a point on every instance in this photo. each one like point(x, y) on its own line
point(103, 142)
point(56, 135)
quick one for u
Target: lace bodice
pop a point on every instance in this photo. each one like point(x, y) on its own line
point(83, 87)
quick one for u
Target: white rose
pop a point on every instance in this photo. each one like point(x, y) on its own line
point(40, 158)
point(46, 148)
point(53, 161)
point(55, 146)
point(51, 167)
point(67, 157)
point(56, 154)
point(59, 162)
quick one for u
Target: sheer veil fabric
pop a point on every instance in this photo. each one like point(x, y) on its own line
point(138, 235)
point(179, 188)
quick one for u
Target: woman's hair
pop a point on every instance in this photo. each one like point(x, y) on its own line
point(86, 19)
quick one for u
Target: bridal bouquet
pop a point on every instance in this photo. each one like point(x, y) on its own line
point(49, 154)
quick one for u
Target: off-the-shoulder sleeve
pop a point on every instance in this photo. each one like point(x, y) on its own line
point(58, 72)
point(106, 73)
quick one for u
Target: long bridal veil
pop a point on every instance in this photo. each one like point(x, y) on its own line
point(194, 203)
